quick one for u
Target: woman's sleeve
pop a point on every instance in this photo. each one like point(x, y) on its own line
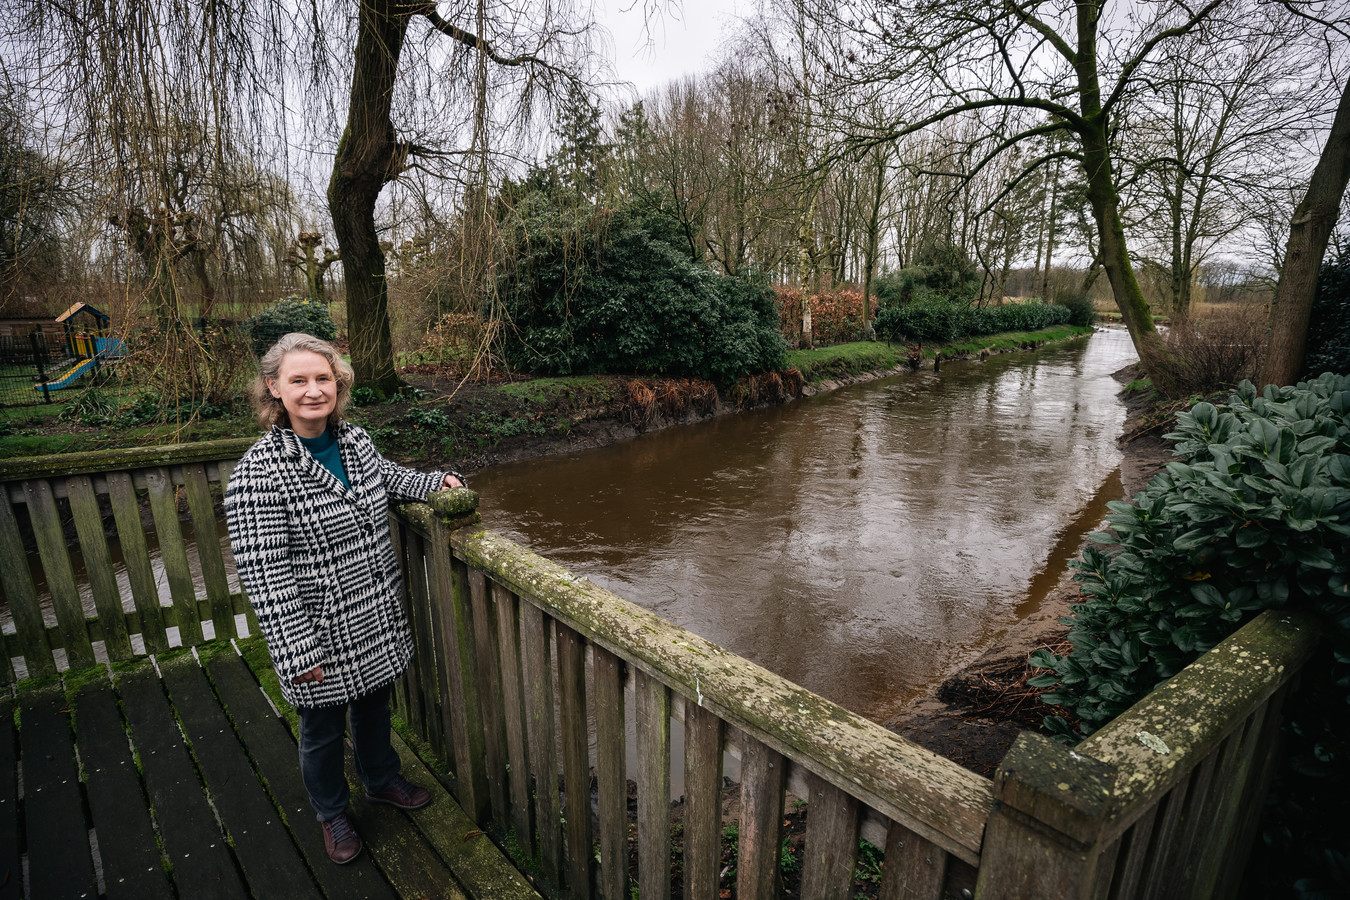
point(407, 484)
point(255, 514)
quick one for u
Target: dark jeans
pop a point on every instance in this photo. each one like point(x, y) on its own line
point(321, 750)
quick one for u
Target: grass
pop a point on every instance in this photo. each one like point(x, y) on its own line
point(1013, 340)
point(542, 390)
point(869, 356)
point(845, 359)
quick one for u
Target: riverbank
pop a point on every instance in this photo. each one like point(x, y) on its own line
point(446, 420)
point(512, 421)
point(974, 715)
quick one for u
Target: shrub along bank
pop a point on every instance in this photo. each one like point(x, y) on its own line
point(1254, 515)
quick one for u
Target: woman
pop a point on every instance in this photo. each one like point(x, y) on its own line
point(307, 509)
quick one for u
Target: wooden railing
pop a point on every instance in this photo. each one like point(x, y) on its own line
point(54, 504)
point(529, 680)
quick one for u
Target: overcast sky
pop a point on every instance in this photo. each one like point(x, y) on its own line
point(680, 41)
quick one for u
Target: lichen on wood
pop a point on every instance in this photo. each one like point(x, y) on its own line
point(931, 795)
point(122, 459)
point(1192, 712)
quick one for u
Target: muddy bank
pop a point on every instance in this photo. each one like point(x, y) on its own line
point(974, 715)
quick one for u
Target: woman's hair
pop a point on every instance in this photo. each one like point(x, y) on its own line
point(269, 409)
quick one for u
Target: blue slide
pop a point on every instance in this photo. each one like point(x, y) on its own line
point(82, 368)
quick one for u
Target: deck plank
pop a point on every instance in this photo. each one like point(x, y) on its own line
point(271, 862)
point(60, 864)
point(410, 864)
point(275, 755)
point(202, 866)
point(132, 866)
point(482, 869)
point(11, 870)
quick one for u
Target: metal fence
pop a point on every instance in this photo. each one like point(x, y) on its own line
point(27, 364)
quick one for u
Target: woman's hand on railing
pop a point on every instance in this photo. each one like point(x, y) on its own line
point(451, 480)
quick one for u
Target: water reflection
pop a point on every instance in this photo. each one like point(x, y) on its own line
point(862, 543)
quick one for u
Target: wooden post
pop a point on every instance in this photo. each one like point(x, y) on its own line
point(19, 591)
point(760, 839)
point(652, 699)
point(136, 557)
point(459, 682)
point(702, 801)
point(611, 775)
point(490, 696)
point(576, 766)
point(1045, 835)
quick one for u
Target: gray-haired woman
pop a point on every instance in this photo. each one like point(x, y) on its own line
point(307, 509)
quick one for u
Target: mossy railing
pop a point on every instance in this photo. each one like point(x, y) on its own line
point(527, 681)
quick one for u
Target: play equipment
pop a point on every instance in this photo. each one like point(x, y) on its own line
point(88, 346)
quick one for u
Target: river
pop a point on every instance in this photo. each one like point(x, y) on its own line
point(863, 543)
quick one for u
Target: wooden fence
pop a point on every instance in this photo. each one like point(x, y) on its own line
point(54, 504)
point(528, 679)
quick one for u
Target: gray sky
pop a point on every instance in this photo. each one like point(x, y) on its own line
point(681, 41)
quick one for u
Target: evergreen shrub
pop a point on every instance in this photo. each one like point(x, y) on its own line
point(937, 321)
point(286, 316)
point(1255, 515)
point(1081, 310)
point(1329, 327)
point(593, 292)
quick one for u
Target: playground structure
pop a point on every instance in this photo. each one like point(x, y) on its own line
point(87, 345)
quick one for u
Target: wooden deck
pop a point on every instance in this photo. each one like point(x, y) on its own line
point(179, 778)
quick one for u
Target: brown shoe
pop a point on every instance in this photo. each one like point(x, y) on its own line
point(401, 793)
point(340, 839)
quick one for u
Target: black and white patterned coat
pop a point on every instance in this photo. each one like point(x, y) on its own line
point(318, 565)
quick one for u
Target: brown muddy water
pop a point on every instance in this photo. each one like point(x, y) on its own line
point(863, 543)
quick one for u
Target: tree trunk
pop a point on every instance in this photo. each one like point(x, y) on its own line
point(870, 252)
point(1309, 232)
point(1050, 233)
point(1154, 357)
point(368, 157)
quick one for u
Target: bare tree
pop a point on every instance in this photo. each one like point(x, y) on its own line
point(1032, 69)
point(1309, 231)
point(1221, 127)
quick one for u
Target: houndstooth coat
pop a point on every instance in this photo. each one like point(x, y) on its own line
point(318, 564)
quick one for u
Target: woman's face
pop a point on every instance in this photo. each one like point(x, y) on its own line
point(306, 386)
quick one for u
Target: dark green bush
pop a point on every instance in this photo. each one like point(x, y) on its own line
point(1255, 516)
point(1081, 310)
point(595, 292)
point(936, 322)
point(286, 316)
point(1329, 327)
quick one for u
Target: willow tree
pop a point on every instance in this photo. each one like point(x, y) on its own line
point(262, 81)
point(1029, 68)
